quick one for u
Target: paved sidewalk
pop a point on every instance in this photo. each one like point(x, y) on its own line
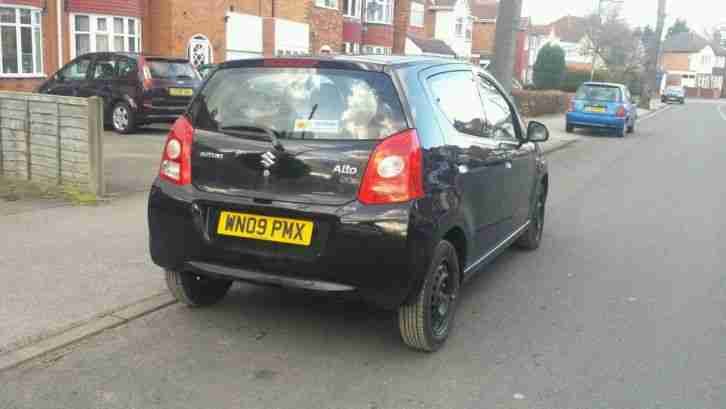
point(65, 265)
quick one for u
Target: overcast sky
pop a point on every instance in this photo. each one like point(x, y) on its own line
point(700, 14)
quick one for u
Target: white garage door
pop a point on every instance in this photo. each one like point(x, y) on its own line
point(291, 38)
point(244, 36)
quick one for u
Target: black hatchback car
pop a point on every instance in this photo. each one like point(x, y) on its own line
point(136, 89)
point(395, 178)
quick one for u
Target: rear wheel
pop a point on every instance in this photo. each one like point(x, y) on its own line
point(426, 324)
point(123, 118)
point(631, 128)
point(196, 290)
point(531, 238)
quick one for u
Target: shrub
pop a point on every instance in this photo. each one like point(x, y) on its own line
point(550, 67)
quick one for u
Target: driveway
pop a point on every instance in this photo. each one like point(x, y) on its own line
point(132, 161)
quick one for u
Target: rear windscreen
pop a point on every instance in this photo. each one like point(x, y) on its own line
point(172, 70)
point(602, 93)
point(301, 103)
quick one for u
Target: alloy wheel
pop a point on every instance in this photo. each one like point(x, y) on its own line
point(120, 118)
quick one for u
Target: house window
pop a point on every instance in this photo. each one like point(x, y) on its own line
point(379, 11)
point(328, 4)
point(21, 49)
point(468, 28)
point(351, 48)
point(705, 59)
point(352, 8)
point(95, 33)
point(459, 26)
point(417, 14)
point(377, 50)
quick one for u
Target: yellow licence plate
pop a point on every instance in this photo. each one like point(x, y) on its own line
point(596, 109)
point(277, 229)
point(181, 92)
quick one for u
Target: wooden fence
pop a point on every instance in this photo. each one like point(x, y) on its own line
point(52, 139)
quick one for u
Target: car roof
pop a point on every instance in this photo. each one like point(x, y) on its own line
point(363, 62)
point(604, 84)
point(136, 55)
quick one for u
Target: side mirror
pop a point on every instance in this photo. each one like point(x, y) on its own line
point(537, 132)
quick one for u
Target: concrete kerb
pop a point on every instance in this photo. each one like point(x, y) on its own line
point(77, 333)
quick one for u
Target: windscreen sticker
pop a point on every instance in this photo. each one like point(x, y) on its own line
point(317, 125)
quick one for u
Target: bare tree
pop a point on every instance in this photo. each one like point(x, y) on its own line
point(508, 18)
point(650, 83)
point(613, 43)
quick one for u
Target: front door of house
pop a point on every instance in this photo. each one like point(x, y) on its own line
point(200, 51)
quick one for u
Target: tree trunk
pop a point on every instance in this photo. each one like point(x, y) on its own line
point(650, 84)
point(508, 18)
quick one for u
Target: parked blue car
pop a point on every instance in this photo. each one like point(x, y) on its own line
point(603, 105)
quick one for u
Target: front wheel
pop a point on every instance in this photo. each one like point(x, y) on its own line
point(123, 118)
point(196, 290)
point(569, 128)
point(531, 238)
point(425, 325)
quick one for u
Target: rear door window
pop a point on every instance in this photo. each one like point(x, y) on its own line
point(301, 103)
point(499, 119)
point(599, 93)
point(457, 97)
point(172, 70)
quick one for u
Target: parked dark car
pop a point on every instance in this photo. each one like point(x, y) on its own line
point(674, 93)
point(136, 89)
point(395, 178)
point(602, 105)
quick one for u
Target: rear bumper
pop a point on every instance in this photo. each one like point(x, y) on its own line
point(584, 119)
point(375, 251)
point(161, 113)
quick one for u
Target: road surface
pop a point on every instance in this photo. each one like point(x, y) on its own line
point(623, 306)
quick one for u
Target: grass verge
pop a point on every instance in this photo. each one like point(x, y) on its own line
point(13, 190)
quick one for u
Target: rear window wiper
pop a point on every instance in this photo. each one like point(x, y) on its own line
point(253, 130)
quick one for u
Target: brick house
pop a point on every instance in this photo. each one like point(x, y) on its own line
point(452, 23)
point(570, 33)
point(695, 63)
point(484, 33)
point(49, 33)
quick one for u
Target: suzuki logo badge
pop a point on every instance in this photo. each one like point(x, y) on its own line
point(267, 160)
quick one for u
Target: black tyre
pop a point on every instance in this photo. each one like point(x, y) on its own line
point(569, 128)
point(531, 238)
point(426, 324)
point(196, 290)
point(631, 127)
point(123, 118)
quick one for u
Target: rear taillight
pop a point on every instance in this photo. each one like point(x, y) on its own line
point(146, 74)
point(176, 160)
point(395, 171)
point(621, 112)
